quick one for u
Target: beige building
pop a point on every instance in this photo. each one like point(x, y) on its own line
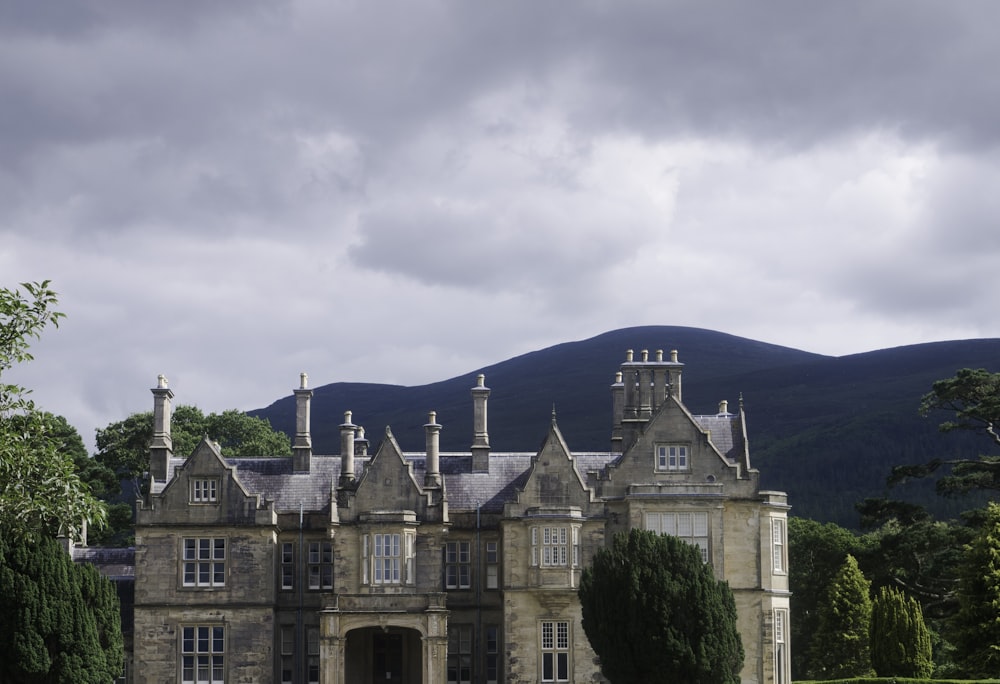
point(393, 567)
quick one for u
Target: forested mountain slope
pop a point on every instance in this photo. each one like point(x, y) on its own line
point(825, 429)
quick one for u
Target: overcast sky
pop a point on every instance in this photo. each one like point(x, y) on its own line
point(232, 192)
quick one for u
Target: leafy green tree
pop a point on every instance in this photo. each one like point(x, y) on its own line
point(59, 622)
point(40, 491)
point(973, 399)
point(816, 552)
point(840, 647)
point(654, 612)
point(977, 623)
point(900, 642)
point(911, 550)
point(123, 446)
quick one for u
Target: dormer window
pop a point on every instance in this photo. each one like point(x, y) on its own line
point(672, 457)
point(204, 490)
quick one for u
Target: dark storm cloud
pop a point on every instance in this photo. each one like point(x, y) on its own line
point(225, 182)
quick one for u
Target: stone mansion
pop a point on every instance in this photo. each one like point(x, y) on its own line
point(379, 565)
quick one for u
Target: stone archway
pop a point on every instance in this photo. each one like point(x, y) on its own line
point(364, 638)
point(392, 655)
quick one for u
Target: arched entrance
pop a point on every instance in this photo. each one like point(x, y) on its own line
point(389, 655)
point(364, 637)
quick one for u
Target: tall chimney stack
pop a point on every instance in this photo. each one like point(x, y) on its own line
point(161, 449)
point(347, 449)
point(432, 432)
point(481, 439)
point(302, 446)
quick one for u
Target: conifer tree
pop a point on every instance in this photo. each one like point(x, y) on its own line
point(977, 624)
point(840, 645)
point(900, 642)
point(59, 621)
point(654, 612)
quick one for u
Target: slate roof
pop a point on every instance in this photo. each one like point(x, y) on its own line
point(112, 563)
point(275, 481)
point(725, 432)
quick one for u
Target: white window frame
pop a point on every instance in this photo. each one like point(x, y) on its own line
point(388, 558)
point(204, 490)
point(492, 565)
point(287, 654)
point(554, 648)
point(779, 546)
point(555, 546)
point(673, 458)
point(320, 565)
point(203, 562)
point(312, 655)
point(781, 659)
point(458, 565)
point(287, 572)
point(694, 527)
point(459, 665)
point(492, 660)
point(203, 654)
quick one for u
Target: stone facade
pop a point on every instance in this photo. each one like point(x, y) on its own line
point(440, 567)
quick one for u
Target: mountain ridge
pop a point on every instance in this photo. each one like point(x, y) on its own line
point(826, 429)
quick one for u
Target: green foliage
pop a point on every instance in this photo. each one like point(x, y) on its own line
point(900, 642)
point(816, 551)
point(973, 399)
point(912, 551)
point(654, 612)
point(40, 491)
point(840, 644)
point(977, 624)
point(59, 622)
point(123, 446)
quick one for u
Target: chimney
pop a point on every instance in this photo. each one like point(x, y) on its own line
point(724, 408)
point(645, 387)
point(360, 442)
point(481, 440)
point(347, 449)
point(659, 381)
point(161, 449)
point(432, 432)
point(674, 372)
point(302, 447)
point(617, 412)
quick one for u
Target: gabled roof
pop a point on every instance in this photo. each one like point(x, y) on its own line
point(274, 479)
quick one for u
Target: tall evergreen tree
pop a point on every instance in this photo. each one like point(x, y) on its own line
point(816, 551)
point(59, 622)
point(977, 624)
point(654, 612)
point(840, 646)
point(900, 642)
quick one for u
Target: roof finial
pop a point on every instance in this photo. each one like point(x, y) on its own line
point(553, 413)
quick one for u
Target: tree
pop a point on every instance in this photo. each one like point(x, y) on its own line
point(816, 551)
point(900, 642)
point(123, 446)
point(977, 623)
point(59, 622)
point(40, 491)
point(840, 646)
point(654, 612)
point(973, 399)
